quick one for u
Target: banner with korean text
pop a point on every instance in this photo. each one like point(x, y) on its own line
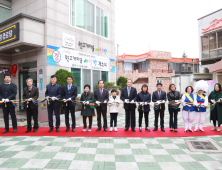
point(70, 58)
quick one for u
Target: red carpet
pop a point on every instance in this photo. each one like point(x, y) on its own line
point(43, 131)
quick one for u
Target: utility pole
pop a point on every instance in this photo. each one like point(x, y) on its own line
point(193, 65)
point(117, 63)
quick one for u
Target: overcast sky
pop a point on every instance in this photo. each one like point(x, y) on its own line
point(163, 25)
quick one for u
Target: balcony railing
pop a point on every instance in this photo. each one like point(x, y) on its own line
point(161, 71)
point(142, 70)
point(128, 71)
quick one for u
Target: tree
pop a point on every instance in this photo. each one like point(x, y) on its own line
point(62, 74)
point(109, 86)
point(121, 82)
point(184, 55)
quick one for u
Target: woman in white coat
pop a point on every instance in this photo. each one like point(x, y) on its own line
point(201, 103)
point(114, 102)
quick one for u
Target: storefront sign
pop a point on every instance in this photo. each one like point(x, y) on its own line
point(71, 58)
point(9, 34)
point(68, 41)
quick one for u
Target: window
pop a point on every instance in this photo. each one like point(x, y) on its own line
point(158, 81)
point(127, 66)
point(77, 75)
point(88, 16)
point(136, 66)
point(212, 39)
point(5, 13)
point(219, 34)
point(105, 76)
point(86, 78)
point(96, 78)
point(144, 65)
point(205, 43)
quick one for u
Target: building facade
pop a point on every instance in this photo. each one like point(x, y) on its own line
point(149, 68)
point(210, 44)
point(39, 37)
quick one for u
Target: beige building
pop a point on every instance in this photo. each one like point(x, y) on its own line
point(43, 36)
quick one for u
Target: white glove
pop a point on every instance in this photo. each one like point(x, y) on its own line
point(142, 103)
point(47, 98)
point(87, 102)
point(105, 101)
point(145, 103)
point(202, 105)
point(97, 102)
point(3, 100)
point(158, 102)
point(30, 99)
point(64, 100)
point(69, 99)
point(132, 101)
point(84, 102)
point(6, 100)
point(163, 101)
point(126, 101)
point(177, 101)
point(189, 105)
point(53, 98)
point(213, 101)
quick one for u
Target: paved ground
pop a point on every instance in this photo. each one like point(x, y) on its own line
point(106, 153)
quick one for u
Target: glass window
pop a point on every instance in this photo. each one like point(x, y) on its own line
point(105, 77)
point(205, 43)
point(213, 54)
point(96, 78)
point(127, 66)
point(144, 65)
point(77, 75)
point(105, 24)
point(86, 78)
point(136, 66)
point(219, 34)
point(85, 15)
point(212, 39)
point(89, 17)
point(98, 20)
point(5, 13)
point(80, 13)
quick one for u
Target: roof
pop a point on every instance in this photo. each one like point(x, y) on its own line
point(217, 23)
point(135, 57)
point(210, 14)
point(183, 60)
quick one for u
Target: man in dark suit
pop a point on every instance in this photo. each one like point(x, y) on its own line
point(53, 91)
point(69, 93)
point(8, 92)
point(128, 96)
point(159, 97)
point(101, 97)
point(31, 92)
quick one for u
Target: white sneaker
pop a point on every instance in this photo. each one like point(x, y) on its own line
point(195, 130)
point(214, 128)
point(218, 129)
point(201, 130)
point(84, 129)
point(115, 128)
point(89, 129)
point(111, 129)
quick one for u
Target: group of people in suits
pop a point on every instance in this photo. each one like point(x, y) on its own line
point(193, 104)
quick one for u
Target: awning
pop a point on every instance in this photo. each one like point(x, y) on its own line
point(203, 76)
point(135, 61)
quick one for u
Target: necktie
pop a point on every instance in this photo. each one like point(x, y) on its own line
point(159, 94)
point(128, 91)
point(101, 92)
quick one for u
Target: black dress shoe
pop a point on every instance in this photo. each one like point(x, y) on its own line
point(140, 129)
point(134, 130)
point(155, 129)
point(67, 129)
point(35, 130)
point(171, 130)
point(162, 129)
point(27, 131)
point(175, 130)
point(73, 129)
point(105, 130)
point(15, 130)
point(57, 130)
point(190, 130)
point(51, 129)
point(98, 129)
point(5, 131)
point(126, 129)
